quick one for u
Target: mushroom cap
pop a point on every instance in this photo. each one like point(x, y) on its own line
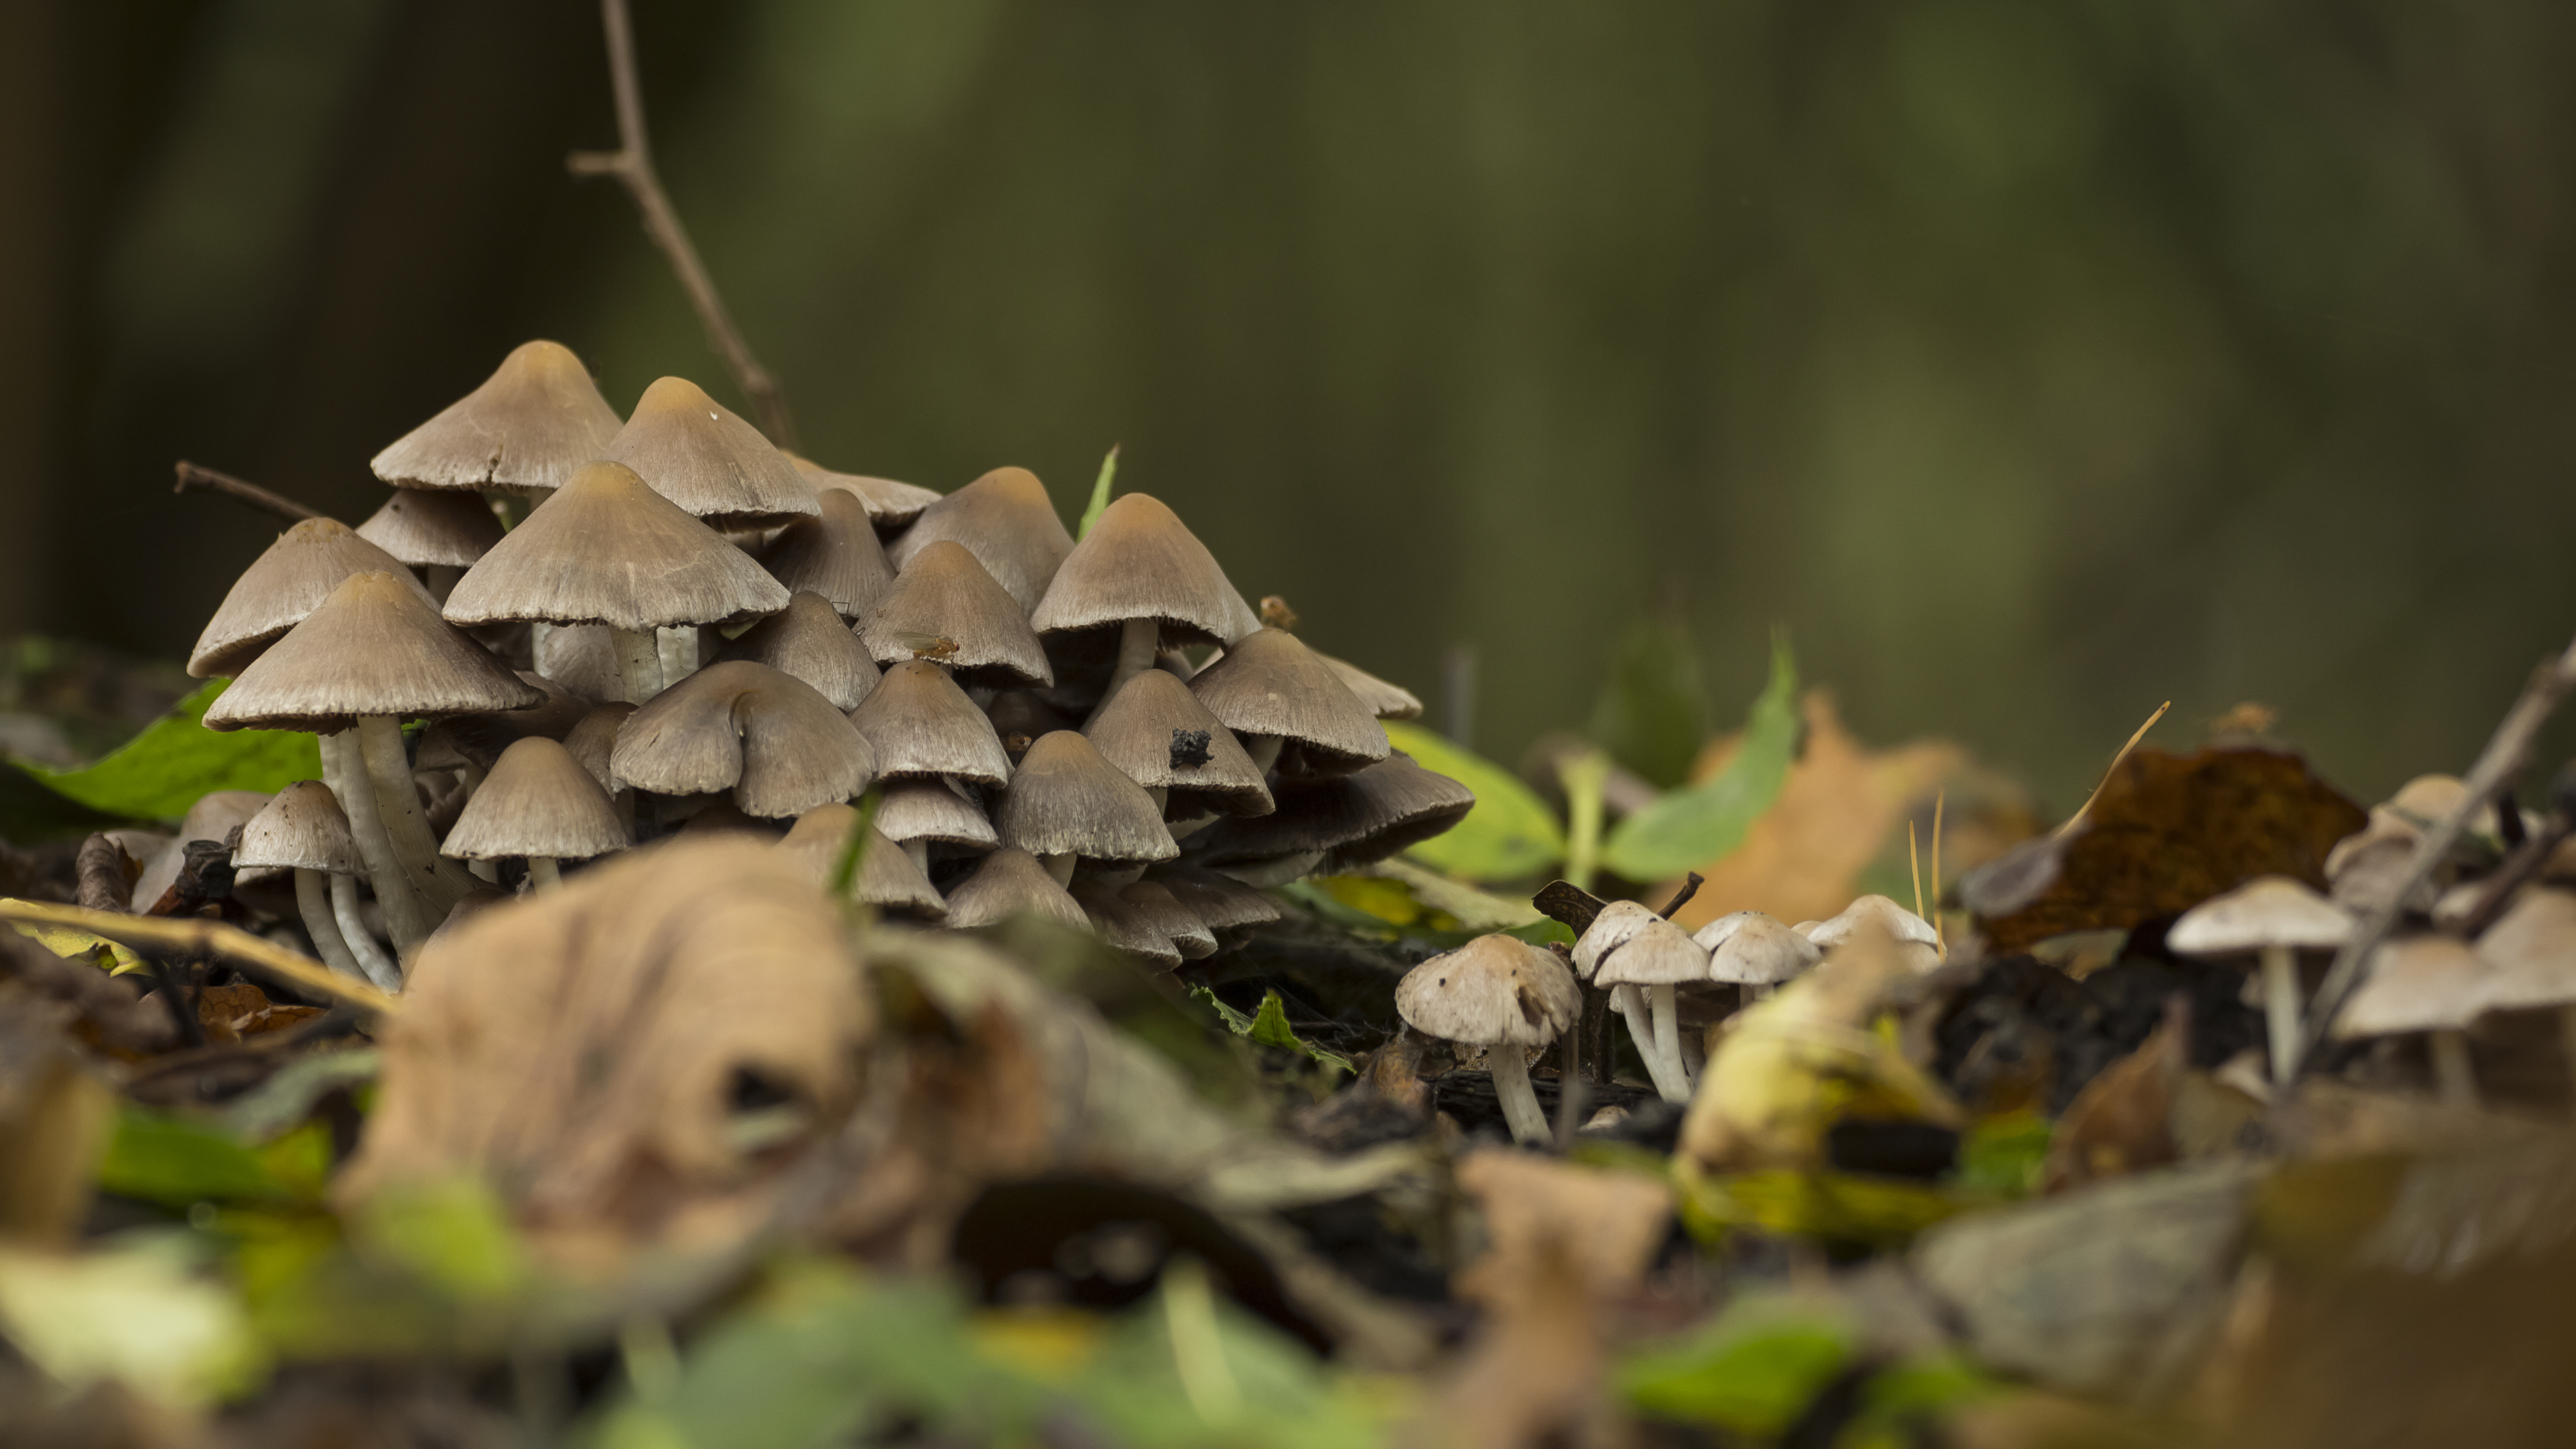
point(1178, 923)
point(289, 580)
point(835, 553)
point(1386, 701)
point(433, 527)
point(1901, 925)
point(921, 723)
point(1140, 562)
point(1628, 944)
point(1007, 521)
point(592, 739)
point(887, 877)
point(374, 647)
point(770, 738)
point(1751, 948)
point(889, 504)
point(2271, 910)
point(692, 450)
point(532, 422)
point(2532, 950)
point(2416, 983)
point(933, 810)
point(1124, 926)
point(478, 739)
point(1493, 991)
point(538, 800)
point(1008, 883)
point(1220, 900)
point(1066, 800)
point(1159, 735)
point(943, 594)
point(1353, 819)
point(606, 549)
point(1269, 683)
point(301, 828)
point(809, 641)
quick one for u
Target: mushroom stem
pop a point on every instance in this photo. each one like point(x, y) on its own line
point(1059, 866)
point(918, 852)
point(313, 903)
point(1138, 639)
point(681, 652)
point(2281, 1009)
point(1631, 1003)
point(1184, 829)
point(344, 771)
point(1519, 1099)
point(543, 873)
point(1668, 1037)
point(639, 663)
point(1263, 749)
point(2453, 1076)
point(442, 882)
point(371, 957)
point(484, 871)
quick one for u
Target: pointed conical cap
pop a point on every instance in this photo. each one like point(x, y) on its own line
point(1010, 883)
point(1006, 520)
point(535, 420)
point(2271, 910)
point(538, 800)
point(1066, 800)
point(286, 582)
point(594, 737)
point(426, 528)
point(943, 593)
point(1123, 926)
point(1386, 701)
point(887, 877)
point(302, 828)
point(933, 810)
point(605, 549)
point(1357, 818)
point(1220, 900)
point(717, 467)
point(771, 739)
point(810, 642)
point(1158, 734)
point(1493, 991)
point(1270, 684)
point(889, 504)
point(375, 647)
point(1140, 562)
point(835, 554)
point(1178, 923)
point(922, 724)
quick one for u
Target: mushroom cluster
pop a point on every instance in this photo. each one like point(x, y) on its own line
point(690, 629)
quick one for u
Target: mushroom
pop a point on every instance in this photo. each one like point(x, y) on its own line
point(2274, 918)
point(2367, 868)
point(1188, 934)
point(1629, 945)
point(1386, 701)
point(1502, 994)
point(1066, 801)
point(1336, 825)
point(1272, 690)
point(923, 725)
point(917, 814)
point(591, 740)
point(606, 549)
point(1917, 943)
point(289, 580)
point(1009, 883)
point(945, 601)
point(835, 554)
point(535, 420)
point(304, 830)
point(1756, 951)
point(540, 805)
point(373, 655)
point(770, 738)
point(887, 878)
point(1158, 734)
point(890, 505)
point(1003, 518)
point(2532, 950)
point(1125, 927)
point(1228, 906)
point(716, 467)
point(439, 532)
point(1140, 571)
point(809, 641)
point(2430, 984)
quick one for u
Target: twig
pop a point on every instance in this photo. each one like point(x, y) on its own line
point(2086, 808)
point(193, 476)
point(2507, 751)
point(245, 951)
point(632, 164)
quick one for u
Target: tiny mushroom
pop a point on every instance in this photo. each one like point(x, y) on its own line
point(923, 725)
point(1273, 691)
point(1386, 701)
point(1337, 824)
point(1917, 943)
point(693, 451)
point(1755, 951)
point(2532, 950)
point(542, 806)
point(2431, 984)
point(1009, 883)
point(288, 581)
point(835, 554)
point(1143, 573)
point(1065, 801)
point(1125, 927)
point(944, 606)
point(918, 814)
point(439, 532)
point(304, 830)
point(1629, 945)
point(886, 879)
point(890, 505)
point(809, 641)
point(535, 420)
point(1189, 935)
point(1159, 735)
point(769, 738)
point(2273, 918)
point(1006, 520)
point(1502, 994)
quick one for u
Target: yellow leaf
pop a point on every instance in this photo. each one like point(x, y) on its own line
point(73, 945)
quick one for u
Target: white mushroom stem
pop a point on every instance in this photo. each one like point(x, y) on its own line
point(371, 957)
point(679, 651)
point(543, 873)
point(918, 852)
point(485, 871)
point(1631, 1003)
point(2453, 1076)
point(639, 662)
point(1668, 1037)
point(1512, 1088)
point(1184, 829)
point(442, 883)
point(1138, 640)
point(2281, 1009)
point(344, 771)
point(1263, 750)
point(1059, 866)
point(313, 903)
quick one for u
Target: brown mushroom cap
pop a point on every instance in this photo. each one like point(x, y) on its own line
point(1355, 819)
point(2416, 983)
point(2271, 910)
point(1386, 701)
point(890, 505)
point(1006, 520)
point(1009, 883)
point(536, 419)
point(809, 641)
point(933, 810)
point(887, 877)
point(1269, 683)
point(1140, 562)
point(692, 450)
point(922, 724)
point(1159, 735)
point(1220, 900)
point(945, 598)
point(1493, 991)
point(1166, 914)
point(289, 580)
point(374, 647)
point(1124, 926)
point(594, 737)
point(835, 554)
point(425, 527)
point(479, 739)
point(606, 549)
point(768, 737)
point(301, 828)
point(1066, 800)
point(538, 800)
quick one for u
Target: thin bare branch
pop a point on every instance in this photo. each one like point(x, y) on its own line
point(193, 477)
point(253, 954)
point(632, 165)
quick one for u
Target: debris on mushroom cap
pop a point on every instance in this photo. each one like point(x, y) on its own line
point(538, 800)
point(809, 641)
point(1269, 683)
point(1493, 991)
point(935, 810)
point(770, 738)
point(301, 828)
point(1008, 883)
point(1386, 701)
point(889, 504)
point(1066, 800)
point(1006, 520)
point(1140, 562)
point(922, 724)
point(887, 877)
point(374, 647)
point(1158, 734)
point(2532, 950)
point(944, 593)
point(1630, 945)
point(2271, 910)
point(835, 554)
point(1125, 927)
point(2416, 983)
point(532, 422)
point(717, 467)
point(423, 528)
point(1352, 820)
point(606, 549)
point(1188, 934)
point(1220, 900)
point(591, 740)
point(1754, 949)
point(288, 581)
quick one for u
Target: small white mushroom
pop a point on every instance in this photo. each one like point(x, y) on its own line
point(1499, 993)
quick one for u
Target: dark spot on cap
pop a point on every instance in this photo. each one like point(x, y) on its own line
point(1189, 749)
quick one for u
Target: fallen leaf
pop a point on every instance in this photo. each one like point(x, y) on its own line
point(138, 1315)
point(2123, 1120)
point(231, 1012)
point(78, 945)
point(1707, 819)
point(159, 773)
point(1509, 834)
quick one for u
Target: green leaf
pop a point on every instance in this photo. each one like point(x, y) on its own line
point(177, 1162)
point(1688, 829)
point(1099, 493)
point(1753, 1370)
point(159, 773)
point(1267, 1027)
point(1509, 835)
point(1653, 712)
point(2002, 1156)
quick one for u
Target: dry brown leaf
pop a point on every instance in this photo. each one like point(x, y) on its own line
point(230, 1013)
point(2123, 1120)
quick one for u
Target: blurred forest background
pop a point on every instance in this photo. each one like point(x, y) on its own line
point(2031, 361)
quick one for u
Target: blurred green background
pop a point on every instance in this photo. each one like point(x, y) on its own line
point(2031, 361)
